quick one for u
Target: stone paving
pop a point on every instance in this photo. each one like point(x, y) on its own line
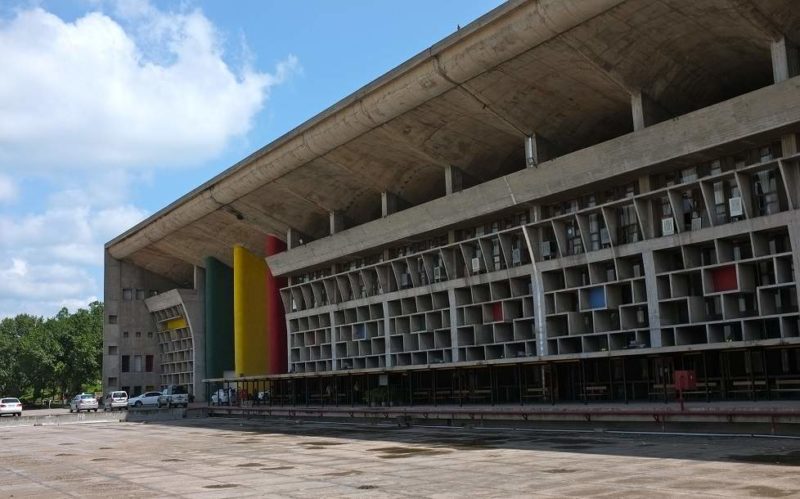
point(231, 458)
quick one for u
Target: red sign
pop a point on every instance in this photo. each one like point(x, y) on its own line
point(685, 380)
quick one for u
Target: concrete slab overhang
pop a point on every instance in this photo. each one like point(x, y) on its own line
point(564, 69)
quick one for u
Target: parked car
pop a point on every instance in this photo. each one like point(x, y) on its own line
point(224, 396)
point(147, 398)
point(10, 405)
point(174, 396)
point(83, 402)
point(116, 400)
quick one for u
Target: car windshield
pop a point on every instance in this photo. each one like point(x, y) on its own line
point(119, 394)
point(87, 397)
point(10, 401)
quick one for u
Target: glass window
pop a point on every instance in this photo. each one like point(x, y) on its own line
point(126, 363)
point(112, 319)
point(137, 363)
point(127, 294)
point(140, 294)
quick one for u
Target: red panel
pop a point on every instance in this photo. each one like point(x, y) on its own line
point(277, 362)
point(497, 312)
point(685, 380)
point(724, 278)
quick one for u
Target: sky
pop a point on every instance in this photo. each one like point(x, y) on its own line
point(110, 110)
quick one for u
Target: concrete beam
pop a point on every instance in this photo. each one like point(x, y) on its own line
point(769, 109)
point(646, 111)
point(785, 60)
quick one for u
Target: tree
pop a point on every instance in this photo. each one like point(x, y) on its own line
point(62, 353)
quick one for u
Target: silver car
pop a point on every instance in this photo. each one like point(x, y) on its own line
point(83, 402)
point(10, 405)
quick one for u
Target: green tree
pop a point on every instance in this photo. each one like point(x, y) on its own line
point(81, 338)
point(62, 354)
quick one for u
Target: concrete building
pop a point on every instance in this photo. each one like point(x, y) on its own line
point(562, 200)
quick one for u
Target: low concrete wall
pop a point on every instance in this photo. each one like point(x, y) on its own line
point(132, 415)
point(61, 419)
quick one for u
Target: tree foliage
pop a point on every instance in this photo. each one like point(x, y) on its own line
point(58, 355)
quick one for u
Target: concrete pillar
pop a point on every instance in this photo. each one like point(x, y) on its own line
point(785, 61)
point(451, 298)
point(293, 238)
point(386, 341)
point(789, 144)
point(390, 203)
point(536, 150)
point(646, 111)
point(539, 312)
point(453, 179)
point(651, 285)
point(337, 222)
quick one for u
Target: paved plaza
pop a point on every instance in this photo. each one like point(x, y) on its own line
point(231, 458)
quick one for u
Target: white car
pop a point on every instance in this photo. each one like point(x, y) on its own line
point(147, 398)
point(83, 402)
point(116, 400)
point(224, 396)
point(10, 405)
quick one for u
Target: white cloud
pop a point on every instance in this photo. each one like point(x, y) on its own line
point(150, 90)
point(8, 189)
point(96, 106)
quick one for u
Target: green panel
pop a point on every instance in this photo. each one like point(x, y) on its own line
point(219, 318)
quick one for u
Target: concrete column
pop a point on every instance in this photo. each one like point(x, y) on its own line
point(336, 222)
point(539, 312)
point(789, 144)
point(785, 61)
point(451, 298)
point(651, 286)
point(794, 239)
point(536, 150)
point(389, 203)
point(293, 238)
point(646, 111)
point(453, 179)
point(386, 341)
point(334, 339)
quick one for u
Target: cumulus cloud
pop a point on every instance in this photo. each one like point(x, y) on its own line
point(150, 88)
point(8, 189)
point(96, 105)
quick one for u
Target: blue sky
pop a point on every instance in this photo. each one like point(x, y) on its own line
point(110, 110)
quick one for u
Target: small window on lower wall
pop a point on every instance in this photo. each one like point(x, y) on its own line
point(112, 383)
point(112, 319)
point(113, 350)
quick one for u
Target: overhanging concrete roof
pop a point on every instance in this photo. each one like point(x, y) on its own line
point(564, 69)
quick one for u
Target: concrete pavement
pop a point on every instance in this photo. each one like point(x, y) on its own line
point(230, 458)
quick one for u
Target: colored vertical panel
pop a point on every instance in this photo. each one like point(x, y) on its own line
point(249, 313)
point(724, 278)
point(219, 318)
point(497, 312)
point(277, 346)
point(596, 298)
point(178, 323)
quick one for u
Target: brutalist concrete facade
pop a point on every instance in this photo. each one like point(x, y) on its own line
point(577, 198)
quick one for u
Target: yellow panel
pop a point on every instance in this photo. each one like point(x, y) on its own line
point(249, 313)
point(178, 323)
